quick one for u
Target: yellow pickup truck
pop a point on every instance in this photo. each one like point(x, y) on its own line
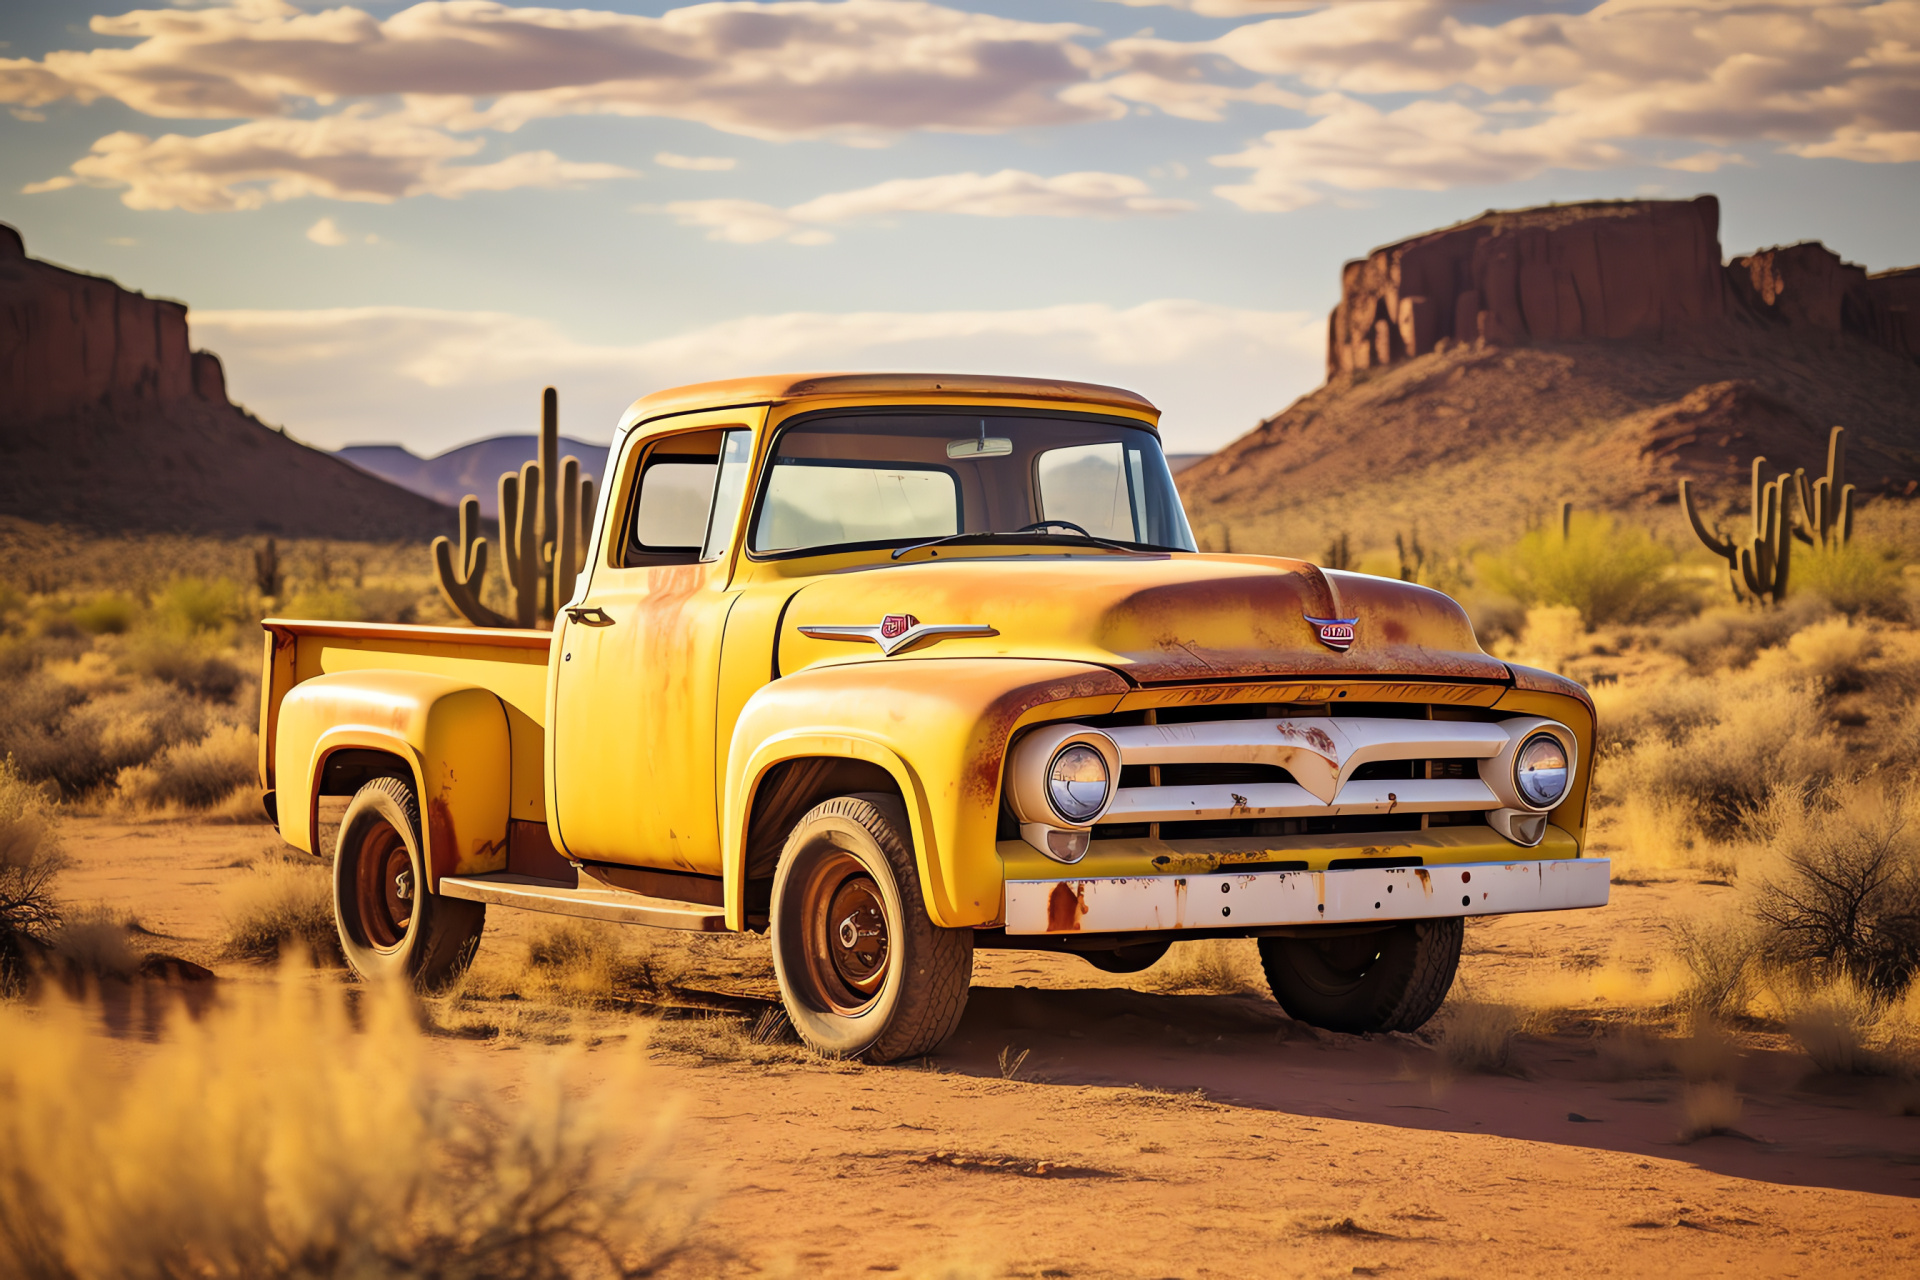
point(894, 667)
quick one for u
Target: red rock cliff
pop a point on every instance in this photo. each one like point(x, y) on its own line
point(109, 419)
point(1617, 270)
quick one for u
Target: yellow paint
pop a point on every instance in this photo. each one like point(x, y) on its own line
point(451, 736)
point(644, 741)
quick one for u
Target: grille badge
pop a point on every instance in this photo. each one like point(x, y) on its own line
point(1335, 633)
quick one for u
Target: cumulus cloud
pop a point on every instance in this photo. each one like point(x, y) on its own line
point(1425, 145)
point(327, 232)
point(1009, 193)
point(699, 164)
point(350, 156)
point(432, 379)
point(790, 68)
point(1817, 79)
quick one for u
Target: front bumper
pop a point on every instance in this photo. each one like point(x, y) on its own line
point(1256, 899)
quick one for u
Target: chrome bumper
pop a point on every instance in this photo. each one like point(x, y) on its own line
point(1253, 899)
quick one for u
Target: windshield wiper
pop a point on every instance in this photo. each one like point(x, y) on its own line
point(1038, 529)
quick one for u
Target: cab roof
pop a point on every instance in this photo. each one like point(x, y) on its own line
point(781, 388)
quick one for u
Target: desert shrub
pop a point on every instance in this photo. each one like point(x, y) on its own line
point(55, 735)
point(1213, 966)
point(1842, 898)
point(1834, 1026)
point(291, 1145)
point(1730, 636)
point(1613, 573)
point(1834, 654)
point(283, 906)
point(198, 604)
point(105, 615)
point(1726, 748)
point(335, 604)
point(1859, 579)
point(193, 775)
point(1720, 956)
point(30, 858)
point(1477, 1035)
point(194, 661)
point(94, 941)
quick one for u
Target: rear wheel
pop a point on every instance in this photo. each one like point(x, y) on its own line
point(862, 970)
point(390, 926)
point(1391, 979)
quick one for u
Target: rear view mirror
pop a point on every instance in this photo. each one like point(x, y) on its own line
point(982, 446)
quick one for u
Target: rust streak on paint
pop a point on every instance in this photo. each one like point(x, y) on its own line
point(1426, 880)
point(1065, 905)
point(445, 852)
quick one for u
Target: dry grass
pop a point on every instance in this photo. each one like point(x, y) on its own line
point(283, 905)
point(95, 942)
point(1611, 573)
point(1721, 955)
point(1209, 966)
point(1708, 1108)
point(1476, 1036)
point(722, 1037)
point(292, 1145)
point(194, 776)
point(30, 859)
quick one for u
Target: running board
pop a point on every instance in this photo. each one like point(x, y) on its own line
point(527, 893)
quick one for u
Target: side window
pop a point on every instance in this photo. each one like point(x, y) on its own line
point(668, 519)
point(1091, 485)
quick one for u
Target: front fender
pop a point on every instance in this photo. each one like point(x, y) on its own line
point(451, 736)
point(940, 727)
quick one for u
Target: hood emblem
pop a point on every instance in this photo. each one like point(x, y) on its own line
point(1335, 633)
point(899, 631)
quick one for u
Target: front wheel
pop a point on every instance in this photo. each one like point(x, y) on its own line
point(863, 971)
point(1391, 979)
point(390, 926)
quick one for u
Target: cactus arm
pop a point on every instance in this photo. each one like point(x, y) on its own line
point(462, 591)
point(1805, 527)
point(1783, 539)
point(1722, 547)
point(526, 548)
point(1846, 515)
point(586, 524)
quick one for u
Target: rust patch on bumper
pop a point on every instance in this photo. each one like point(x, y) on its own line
point(1065, 905)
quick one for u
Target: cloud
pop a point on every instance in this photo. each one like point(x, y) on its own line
point(1425, 145)
point(793, 68)
point(326, 233)
point(433, 379)
point(1009, 193)
point(702, 164)
point(350, 156)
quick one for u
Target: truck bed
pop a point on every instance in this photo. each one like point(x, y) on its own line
point(510, 664)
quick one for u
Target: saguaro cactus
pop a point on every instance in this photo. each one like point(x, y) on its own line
point(266, 571)
point(1826, 505)
point(544, 515)
point(1757, 565)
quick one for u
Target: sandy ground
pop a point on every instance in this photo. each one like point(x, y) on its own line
point(1147, 1135)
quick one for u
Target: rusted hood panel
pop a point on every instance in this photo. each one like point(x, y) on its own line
point(1162, 619)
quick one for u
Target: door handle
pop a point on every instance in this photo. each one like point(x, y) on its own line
point(590, 615)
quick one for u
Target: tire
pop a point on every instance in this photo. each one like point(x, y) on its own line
point(389, 928)
point(1134, 959)
point(863, 972)
point(1392, 979)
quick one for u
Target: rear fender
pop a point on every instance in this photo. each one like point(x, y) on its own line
point(451, 737)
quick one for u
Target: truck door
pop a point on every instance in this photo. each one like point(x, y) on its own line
point(632, 737)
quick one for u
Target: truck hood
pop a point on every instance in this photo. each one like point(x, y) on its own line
point(1155, 619)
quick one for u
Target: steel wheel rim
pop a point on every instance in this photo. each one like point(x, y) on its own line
point(1336, 966)
point(383, 889)
point(847, 936)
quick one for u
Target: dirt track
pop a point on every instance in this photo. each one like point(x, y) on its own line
point(1155, 1135)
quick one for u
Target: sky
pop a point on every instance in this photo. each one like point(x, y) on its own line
point(396, 223)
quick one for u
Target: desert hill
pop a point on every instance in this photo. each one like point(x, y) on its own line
point(1479, 375)
point(109, 421)
point(470, 468)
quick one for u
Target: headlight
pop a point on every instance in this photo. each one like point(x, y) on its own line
point(1540, 771)
point(1077, 784)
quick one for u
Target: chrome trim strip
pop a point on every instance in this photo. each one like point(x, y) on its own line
point(1288, 800)
point(911, 636)
point(1257, 899)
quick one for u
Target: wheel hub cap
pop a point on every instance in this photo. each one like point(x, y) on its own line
point(858, 927)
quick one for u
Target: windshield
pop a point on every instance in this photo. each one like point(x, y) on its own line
point(845, 481)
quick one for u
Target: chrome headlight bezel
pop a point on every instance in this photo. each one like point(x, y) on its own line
point(1030, 769)
point(1522, 775)
point(1501, 771)
point(1071, 809)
